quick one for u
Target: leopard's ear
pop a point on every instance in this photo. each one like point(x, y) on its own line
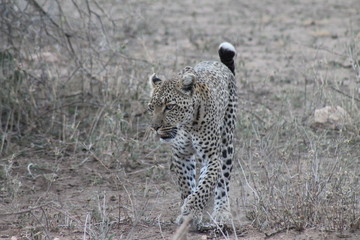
point(188, 80)
point(154, 81)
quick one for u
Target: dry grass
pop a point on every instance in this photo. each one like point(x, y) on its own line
point(64, 95)
point(299, 176)
point(72, 103)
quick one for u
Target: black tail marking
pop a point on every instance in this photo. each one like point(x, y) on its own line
point(227, 53)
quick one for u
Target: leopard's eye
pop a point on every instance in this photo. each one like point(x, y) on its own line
point(150, 107)
point(169, 106)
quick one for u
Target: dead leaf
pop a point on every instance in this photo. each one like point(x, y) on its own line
point(323, 33)
point(309, 22)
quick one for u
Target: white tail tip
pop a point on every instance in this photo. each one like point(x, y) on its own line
point(228, 46)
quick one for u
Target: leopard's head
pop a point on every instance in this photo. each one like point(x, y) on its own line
point(171, 103)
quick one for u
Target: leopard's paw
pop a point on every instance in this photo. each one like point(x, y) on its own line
point(189, 210)
point(221, 217)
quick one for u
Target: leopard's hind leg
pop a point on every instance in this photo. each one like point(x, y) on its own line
point(221, 213)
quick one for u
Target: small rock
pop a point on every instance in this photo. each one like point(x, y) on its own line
point(332, 117)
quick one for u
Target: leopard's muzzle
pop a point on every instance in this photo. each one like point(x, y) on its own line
point(167, 133)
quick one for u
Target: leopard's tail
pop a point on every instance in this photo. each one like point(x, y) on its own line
point(227, 53)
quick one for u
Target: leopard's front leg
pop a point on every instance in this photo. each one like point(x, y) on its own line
point(183, 163)
point(211, 165)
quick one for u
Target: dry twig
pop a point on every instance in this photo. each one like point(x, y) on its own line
point(183, 229)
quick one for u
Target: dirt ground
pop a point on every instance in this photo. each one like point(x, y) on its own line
point(284, 47)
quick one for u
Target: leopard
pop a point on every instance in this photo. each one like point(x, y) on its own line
point(195, 112)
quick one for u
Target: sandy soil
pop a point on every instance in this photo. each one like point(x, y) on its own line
point(281, 46)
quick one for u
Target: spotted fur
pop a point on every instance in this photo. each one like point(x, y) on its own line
point(195, 112)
